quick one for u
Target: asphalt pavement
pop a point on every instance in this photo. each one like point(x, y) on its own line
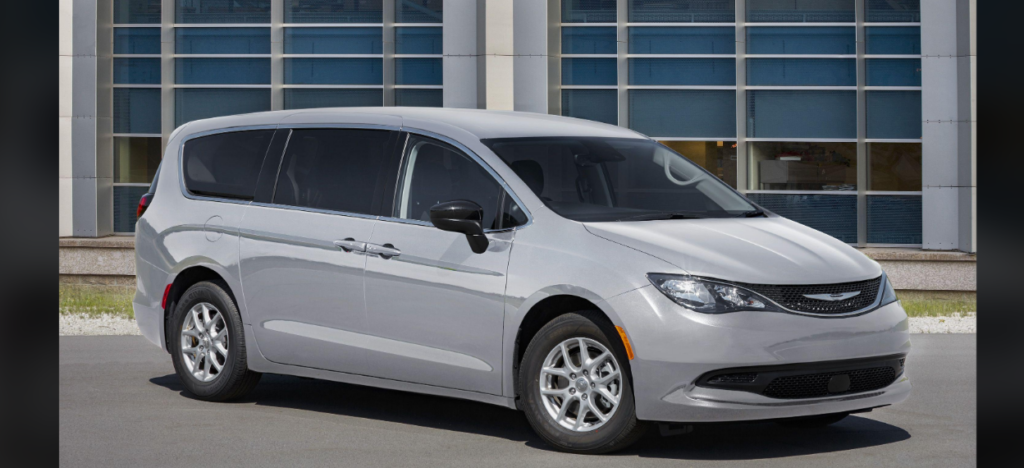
point(122, 405)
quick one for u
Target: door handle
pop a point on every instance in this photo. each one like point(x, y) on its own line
point(385, 251)
point(349, 245)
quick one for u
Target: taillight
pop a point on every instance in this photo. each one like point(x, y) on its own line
point(143, 204)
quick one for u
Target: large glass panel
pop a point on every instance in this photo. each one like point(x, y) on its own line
point(588, 40)
point(893, 11)
point(136, 110)
point(681, 11)
point(835, 215)
point(893, 72)
point(333, 11)
point(895, 167)
point(802, 165)
point(126, 204)
point(801, 114)
point(801, 72)
point(136, 70)
point(802, 40)
point(299, 98)
point(202, 103)
point(801, 11)
point(136, 40)
point(135, 159)
point(222, 11)
point(419, 11)
point(222, 70)
point(341, 71)
point(225, 164)
point(894, 114)
point(333, 41)
point(418, 71)
point(589, 71)
point(418, 40)
point(667, 71)
point(683, 113)
point(136, 12)
point(588, 11)
point(894, 219)
point(892, 40)
point(683, 40)
point(718, 157)
point(222, 40)
point(601, 105)
point(412, 97)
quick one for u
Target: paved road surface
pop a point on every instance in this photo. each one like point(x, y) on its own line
point(122, 405)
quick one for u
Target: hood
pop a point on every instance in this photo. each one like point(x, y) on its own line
point(771, 250)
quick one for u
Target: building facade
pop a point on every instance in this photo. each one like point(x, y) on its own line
point(855, 117)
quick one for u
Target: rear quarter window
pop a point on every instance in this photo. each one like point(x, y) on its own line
point(225, 164)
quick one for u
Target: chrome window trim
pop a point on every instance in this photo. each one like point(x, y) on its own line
point(313, 210)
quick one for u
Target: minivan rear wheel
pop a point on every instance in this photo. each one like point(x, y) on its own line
point(207, 344)
point(575, 386)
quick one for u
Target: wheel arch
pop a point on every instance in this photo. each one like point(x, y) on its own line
point(185, 279)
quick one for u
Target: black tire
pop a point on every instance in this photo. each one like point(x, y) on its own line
point(811, 422)
point(235, 379)
point(621, 430)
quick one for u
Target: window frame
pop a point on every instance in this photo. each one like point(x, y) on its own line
point(222, 199)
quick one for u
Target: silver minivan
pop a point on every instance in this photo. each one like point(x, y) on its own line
point(579, 272)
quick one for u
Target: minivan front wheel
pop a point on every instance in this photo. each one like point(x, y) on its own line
point(576, 393)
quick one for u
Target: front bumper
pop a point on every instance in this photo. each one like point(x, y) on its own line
point(675, 346)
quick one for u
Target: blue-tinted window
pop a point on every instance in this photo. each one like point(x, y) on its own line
point(682, 40)
point(589, 71)
point(588, 11)
point(816, 11)
point(684, 71)
point(222, 71)
point(683, 113)
point(893, 11)
point(894, 114)
point(222, 11)
point(801, 40)
point(126, 204)
point(681, 11)
point(588, 40)
point(418, 71)
point(298, 98)
point(222, 40)
point(333, 41)
point(136, 110)
point(892, 40)
point(801, 114)
point(418, 11)
point(835, 215)
point(601, 105)
point(136, 40)
point(893, 72)
point(203, 103)
point(333, 11)
point(418, 40)
point(801, 72)
point(136, 71)
point(894, 219)
point(411, 97)
point(340, 71)
point(136, 11)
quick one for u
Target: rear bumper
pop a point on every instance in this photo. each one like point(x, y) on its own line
point(149, 314)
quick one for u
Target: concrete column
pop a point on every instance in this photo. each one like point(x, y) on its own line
point(166, 71)
point(64, 117)
point(495, 55)
point(742, 158)
point(388, 49)
point(862, 125)
point(459, 61)
point(621, 61)
point(276, 49)
point(533, 30)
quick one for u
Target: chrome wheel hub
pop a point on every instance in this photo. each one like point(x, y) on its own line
point(204, 342)
point(580, 384)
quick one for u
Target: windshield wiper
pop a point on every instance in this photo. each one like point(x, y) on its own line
point(662, 215)
point(753, 214)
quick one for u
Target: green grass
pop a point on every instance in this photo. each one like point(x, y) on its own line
point(96, 300)
point(937, 303)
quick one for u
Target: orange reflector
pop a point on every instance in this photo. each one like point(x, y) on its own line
point(625, 342)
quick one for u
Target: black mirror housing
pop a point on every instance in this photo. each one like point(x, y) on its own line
point(461, 216)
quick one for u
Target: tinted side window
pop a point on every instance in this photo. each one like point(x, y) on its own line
point(332, 169)
point(226, 164)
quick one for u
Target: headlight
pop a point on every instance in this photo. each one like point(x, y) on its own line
point(709, 296)
point(888, 293)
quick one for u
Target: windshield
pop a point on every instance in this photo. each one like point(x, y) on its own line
point(617, 179)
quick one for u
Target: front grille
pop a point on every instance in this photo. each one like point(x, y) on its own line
point(793, 297)
point(816, 385)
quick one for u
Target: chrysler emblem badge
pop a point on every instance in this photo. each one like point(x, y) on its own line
point(832, 297)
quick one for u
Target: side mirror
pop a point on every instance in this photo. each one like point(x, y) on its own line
point(461, 216)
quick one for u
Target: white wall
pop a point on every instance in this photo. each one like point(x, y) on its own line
point(64, 119)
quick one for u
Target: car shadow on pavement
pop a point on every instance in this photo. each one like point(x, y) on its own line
point(722, 441)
